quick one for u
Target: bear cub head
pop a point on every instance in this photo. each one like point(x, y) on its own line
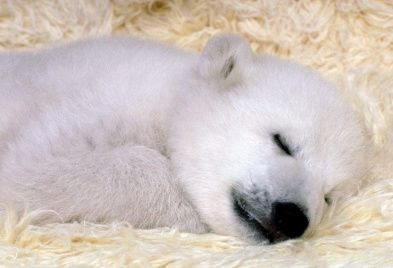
point(261, 144)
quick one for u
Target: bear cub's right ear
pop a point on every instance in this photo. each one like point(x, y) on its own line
point(225, 60)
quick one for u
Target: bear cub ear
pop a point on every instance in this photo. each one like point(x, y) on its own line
point(225, 60)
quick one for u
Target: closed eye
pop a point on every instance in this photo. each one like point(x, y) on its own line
point(328, 201)
point(280, 142)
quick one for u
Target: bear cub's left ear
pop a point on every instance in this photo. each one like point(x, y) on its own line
point(225, 60)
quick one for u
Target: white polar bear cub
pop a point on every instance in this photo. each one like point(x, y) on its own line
point(124, 129)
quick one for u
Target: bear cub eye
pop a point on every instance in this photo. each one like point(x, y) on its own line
point(280, 142)
point(328, 201)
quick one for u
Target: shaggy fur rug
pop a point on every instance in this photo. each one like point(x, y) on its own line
point(349, 41)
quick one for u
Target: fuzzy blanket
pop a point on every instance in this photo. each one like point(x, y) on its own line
point(349, 41)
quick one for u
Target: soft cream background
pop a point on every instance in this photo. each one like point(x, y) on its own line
point(350, 42)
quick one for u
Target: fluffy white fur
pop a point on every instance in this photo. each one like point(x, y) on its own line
point(123, 129)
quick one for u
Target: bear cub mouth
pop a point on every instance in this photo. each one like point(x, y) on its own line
point(261, 228)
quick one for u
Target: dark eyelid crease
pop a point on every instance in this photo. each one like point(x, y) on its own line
point(328, 201)
point(280, 142)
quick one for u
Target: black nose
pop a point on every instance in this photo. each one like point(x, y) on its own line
point(289, 219)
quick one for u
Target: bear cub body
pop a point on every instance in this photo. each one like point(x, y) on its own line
point(124, 129)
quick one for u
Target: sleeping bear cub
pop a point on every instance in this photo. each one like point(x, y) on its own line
point(118, 129)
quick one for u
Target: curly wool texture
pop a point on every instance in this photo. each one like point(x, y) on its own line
point(349, 41)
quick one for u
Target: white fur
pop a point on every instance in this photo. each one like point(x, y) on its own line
point(124, 129)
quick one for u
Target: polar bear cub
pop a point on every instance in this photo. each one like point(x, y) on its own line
point(123, 129)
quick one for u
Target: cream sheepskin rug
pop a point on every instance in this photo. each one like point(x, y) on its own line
point(349, 41)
